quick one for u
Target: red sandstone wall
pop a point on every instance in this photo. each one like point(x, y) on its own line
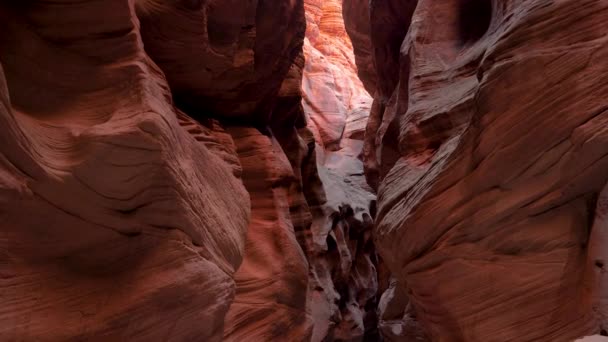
point(160, 178)
point(487, 145)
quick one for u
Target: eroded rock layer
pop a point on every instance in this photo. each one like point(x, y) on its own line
point(113, 217)
point(344, 282)
point(162, 179)
point(487, 144)
point(224, 58)
point(271, 299)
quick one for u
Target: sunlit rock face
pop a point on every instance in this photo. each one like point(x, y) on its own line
point(335, 100)
point(487, 143)
point(344, 282)
point(113, 204)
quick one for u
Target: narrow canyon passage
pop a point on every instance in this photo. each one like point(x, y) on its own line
point(221, 184)
point(303, 170)
point(321, 285)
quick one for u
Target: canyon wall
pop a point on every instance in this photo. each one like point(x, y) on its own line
point(487, 143)
point(161, 178)
point(113, 216)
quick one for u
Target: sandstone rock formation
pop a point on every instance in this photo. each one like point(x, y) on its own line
point(271, 299)
point(594, 338)
point(357, 24)
point(113, 218)
point(252, 58)
point(344, 262)
point(193, 170)
point(487, 144)
point(224, 58)
point(160, 178)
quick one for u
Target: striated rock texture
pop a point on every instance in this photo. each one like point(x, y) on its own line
point(336, 103)
point(122, 217)
point(344, 282)
point(113, 204)
point(357, 23)
point(271, 299)
point(224, 58)
point(487, 142)
point(251, 81)
point(594, 338)
point(162, 178)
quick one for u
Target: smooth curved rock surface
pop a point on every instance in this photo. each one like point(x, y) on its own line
point(356, 22)
point(487, 142)
point(271, 299)
point(113, 216)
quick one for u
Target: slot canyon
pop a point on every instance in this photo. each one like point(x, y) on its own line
point(304, 170)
